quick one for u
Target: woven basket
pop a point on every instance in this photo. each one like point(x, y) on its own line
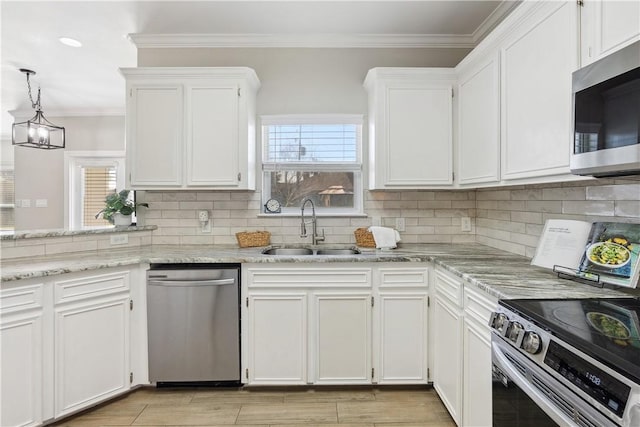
point(250, 239)
point(364, 238)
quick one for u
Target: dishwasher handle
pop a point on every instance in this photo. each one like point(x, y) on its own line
point(178, 283)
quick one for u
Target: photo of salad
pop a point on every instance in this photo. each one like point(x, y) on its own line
point(608, 254)
point(612, 251)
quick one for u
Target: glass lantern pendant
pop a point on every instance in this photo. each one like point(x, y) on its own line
point(37, 132)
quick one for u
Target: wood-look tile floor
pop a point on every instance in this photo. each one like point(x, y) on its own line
point(358, 407)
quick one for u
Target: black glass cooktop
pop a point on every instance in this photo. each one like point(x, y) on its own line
point(606, 329)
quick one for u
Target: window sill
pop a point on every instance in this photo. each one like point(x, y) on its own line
point(323, 215)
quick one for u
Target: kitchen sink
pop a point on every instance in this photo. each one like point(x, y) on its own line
point(350, 251)
point(310, 251)
point(288, 251)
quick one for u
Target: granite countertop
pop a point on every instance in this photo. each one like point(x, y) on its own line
point(501, 274)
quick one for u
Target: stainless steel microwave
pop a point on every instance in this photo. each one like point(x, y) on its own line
point(606, 115)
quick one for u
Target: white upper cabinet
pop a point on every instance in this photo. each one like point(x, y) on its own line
point(537, 59)
point(191, 127)
point(479, 121)
point(410, 127)
point(154, 135)
point(606, 26)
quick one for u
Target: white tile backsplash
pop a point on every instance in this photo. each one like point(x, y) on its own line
point(507, 218)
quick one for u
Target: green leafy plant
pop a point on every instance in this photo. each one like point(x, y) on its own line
point(119, 203)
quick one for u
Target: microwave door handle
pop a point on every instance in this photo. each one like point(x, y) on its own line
point(538, 398)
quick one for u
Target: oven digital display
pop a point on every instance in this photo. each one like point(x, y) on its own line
point(601, 386)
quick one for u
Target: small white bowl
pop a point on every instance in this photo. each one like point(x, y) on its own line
point(597, 245)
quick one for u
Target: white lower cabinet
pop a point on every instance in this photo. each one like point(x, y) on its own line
point(476, 371)
point(65, 344)
point(21, 367)
point(462, 349)
point(447, 344)
point(277, 338)
point(334, 325)
point(91, 339)
point(401, 324)
point(342, 349)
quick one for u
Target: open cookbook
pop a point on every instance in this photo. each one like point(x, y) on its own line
point(606, 252)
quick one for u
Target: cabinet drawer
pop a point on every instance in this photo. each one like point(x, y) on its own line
point(21, 298)
point(404, 277)
point(478, 304)
point(449, 287)
point(309, 277)
point(90, 287)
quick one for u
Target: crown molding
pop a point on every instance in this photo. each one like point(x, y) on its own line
point(85, 112)
point(152, 41)
point(499, 13)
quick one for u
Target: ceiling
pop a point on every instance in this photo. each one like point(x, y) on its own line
point(86, 81)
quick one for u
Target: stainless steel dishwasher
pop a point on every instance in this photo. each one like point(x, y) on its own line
point(193, 313)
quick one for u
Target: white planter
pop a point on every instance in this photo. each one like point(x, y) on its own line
point(120, 220)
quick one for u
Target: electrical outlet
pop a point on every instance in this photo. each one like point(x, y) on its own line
point(465, 223)
point(376, 221)
point(26, 203)
point(205, 222)
point(400, 225)
point(42, 203)
point(119, 239)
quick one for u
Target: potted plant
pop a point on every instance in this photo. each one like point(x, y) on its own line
point(118, 208)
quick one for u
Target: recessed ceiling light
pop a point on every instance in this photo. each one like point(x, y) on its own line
point(70, 42)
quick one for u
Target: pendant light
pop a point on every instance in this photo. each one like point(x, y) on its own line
point(37, 132)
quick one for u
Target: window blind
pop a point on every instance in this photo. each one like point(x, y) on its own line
point(7, 200)
point(98, 182)
point(316, 143)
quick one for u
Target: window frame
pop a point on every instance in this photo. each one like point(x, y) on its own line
point(74, 161)
point(356, 167)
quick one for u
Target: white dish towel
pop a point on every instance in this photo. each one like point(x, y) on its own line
point(385, 237)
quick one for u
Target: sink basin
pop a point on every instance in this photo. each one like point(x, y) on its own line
point(351, 251)
point(288, 251)
point(309, 251)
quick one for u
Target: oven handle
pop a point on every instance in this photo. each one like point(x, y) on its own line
point(538, 398)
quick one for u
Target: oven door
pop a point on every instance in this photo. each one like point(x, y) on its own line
point(524, 395)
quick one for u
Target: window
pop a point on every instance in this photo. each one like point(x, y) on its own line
point(91, 176)
point(7, 206)
point(319, 157)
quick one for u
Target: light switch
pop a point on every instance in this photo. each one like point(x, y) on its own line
point(26, 203)
point(41, 203)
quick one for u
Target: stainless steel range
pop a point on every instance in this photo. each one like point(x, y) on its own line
point(570, 362)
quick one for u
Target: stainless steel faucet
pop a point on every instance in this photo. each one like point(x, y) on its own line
point(315, 238)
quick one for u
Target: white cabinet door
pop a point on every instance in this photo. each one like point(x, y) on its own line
point(402, 338)
point(342, 350)
point(92, 352)
point(447, 342)
point(447, 356)
point(411, 127)
point(477, 375)
point(477, 366)
point(537, 60)
point(277, 338)
point(154, 136)
point(606, 26)
point(92, 344)
point(212, 136)
point(479, 122)
point(21, 364)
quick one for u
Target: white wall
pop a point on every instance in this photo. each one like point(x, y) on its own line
point(305, 80)
point(39, 174)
